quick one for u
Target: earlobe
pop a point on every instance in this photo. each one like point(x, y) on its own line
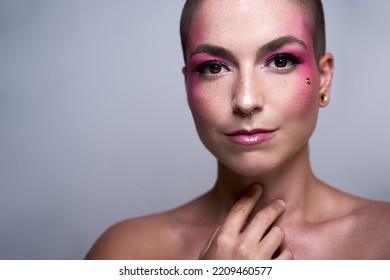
point(326, 66)
point(324, 99)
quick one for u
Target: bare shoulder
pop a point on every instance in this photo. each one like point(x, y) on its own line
point(373, 222)
point(176, 234)
point(145, 237)
point(375, 214)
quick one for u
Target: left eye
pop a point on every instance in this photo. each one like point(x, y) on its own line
point(283, 62)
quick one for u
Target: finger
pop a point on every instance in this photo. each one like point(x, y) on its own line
point(239, 213)
point(263, 219)
point(209, 242)
point(286, 254)
point(270, 243)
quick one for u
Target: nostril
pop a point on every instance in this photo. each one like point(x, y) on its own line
point(255, 109)
point(243, 113)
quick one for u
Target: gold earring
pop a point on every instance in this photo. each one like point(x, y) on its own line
point(323, 98)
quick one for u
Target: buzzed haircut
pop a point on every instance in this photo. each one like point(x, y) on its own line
point(314, 9)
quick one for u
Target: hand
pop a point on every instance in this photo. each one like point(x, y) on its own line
point(237, 238)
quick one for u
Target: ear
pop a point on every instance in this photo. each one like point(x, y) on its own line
point(326, 66)
point(184, 71)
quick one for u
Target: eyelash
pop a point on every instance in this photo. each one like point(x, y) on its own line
point(202, 68)
point(292, 62)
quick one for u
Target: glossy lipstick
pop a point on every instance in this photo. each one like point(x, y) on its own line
point(250, 137)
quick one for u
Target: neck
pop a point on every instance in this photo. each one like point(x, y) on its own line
point(293, 182)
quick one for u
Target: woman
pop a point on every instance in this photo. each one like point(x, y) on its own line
point(256, 75)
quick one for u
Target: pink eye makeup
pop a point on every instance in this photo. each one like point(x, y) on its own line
point(282, 62)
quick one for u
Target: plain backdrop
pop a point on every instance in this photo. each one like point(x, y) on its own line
point(95, 128)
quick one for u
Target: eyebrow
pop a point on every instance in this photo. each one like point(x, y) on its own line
point(279, 43)
point(215, 51)
point(265, 49)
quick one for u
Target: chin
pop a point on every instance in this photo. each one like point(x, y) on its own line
point(250, 168)
point(251, 172)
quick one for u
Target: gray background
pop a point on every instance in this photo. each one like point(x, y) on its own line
point(94, 125)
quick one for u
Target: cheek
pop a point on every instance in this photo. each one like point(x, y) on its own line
point(199, 105)
point(203, 99)
point(300, 101)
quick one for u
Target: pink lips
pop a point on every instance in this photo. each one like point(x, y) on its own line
point(250, 137)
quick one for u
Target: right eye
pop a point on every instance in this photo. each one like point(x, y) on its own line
point(212, 68)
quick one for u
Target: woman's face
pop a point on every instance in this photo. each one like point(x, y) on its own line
point(246, 76)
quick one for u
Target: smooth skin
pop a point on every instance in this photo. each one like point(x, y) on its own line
point(266, 202)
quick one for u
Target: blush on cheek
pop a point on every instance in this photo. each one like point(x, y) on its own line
point(305, 100)
point(305, 93)
point(192, 77)
point(300, 101)
point(196, 100)
point(306, 89)
point(194, 92)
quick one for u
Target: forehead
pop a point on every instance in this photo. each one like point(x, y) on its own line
point(244, 22)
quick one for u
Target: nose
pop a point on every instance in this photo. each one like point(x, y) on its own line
point(247, 96)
